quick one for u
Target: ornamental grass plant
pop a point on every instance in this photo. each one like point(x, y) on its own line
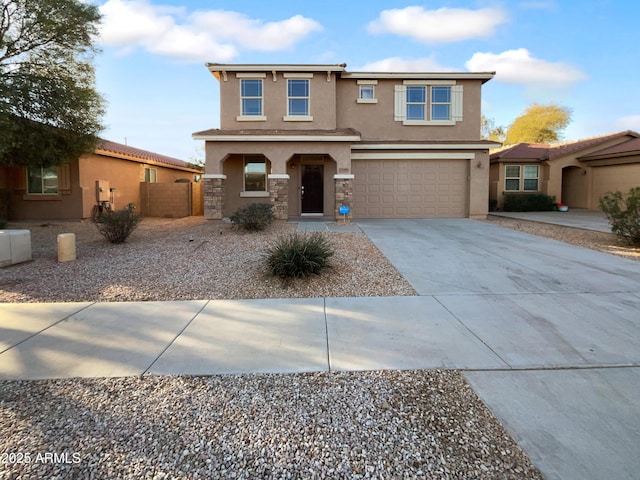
point(299, 255)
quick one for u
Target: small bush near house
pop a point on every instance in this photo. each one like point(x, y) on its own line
point(297, 256)
point(116, 226)
point(253, 217)
point(623, 213)
point(528, 202)
point(3, 223)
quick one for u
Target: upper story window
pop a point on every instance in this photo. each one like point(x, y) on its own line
point(416, 103)
point(42, 180)
point(251, 96)
point(420, 103)
point(521, 178)
point(367, 91)
point(440, 103)
point(298, 97)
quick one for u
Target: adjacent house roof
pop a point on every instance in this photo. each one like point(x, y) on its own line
point(630, 147)
point(125, 152)
point(545, 151)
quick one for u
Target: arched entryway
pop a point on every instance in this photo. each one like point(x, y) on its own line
point(574, 187)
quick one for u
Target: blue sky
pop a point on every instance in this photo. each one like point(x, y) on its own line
point(581, 54)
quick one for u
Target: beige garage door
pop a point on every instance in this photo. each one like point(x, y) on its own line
point(612, 178)
point(410, 188)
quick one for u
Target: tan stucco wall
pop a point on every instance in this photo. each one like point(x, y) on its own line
point(77, 185)
point(65, 205)
point(375, 121)
point(322, 104)
point(123, 175)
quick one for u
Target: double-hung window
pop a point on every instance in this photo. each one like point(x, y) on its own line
point(418, 102)
point(251, 97)
point(440, 103)
point(521, 178)
point(42, 180)
point(298, 97)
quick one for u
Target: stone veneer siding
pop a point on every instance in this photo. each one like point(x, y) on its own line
point(213, 197)
point(344, 196)
point(279, 197)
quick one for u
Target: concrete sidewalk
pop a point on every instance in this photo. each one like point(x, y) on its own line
point(469, 332)
point(575, 217)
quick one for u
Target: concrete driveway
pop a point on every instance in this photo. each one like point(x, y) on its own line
point(565, 319)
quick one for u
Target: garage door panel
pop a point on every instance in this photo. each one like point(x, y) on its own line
point(410, 188)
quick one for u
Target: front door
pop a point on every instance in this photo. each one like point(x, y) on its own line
point(312, 189)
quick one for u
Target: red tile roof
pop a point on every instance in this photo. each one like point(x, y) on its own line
point(631, 146)
point(121, 150)
point(541, 151)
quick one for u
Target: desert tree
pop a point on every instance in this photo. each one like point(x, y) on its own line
point(50, 111)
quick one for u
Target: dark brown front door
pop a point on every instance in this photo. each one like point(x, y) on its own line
point(312, 190)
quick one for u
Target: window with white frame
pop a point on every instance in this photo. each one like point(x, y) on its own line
point(521, 178)
point(298, 97)
point(42, 180)
point(255, 173)
point(440, 103)
point(367, 91)
point(421, 103)
point(530, 181)
point(251, 97)
point(416, 103)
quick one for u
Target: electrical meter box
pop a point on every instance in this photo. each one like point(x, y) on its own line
point(102, 190)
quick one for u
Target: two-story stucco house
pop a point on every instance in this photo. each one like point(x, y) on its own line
point(312, 138)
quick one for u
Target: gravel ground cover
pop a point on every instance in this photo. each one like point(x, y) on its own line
point(186, 259)
point(384, 425)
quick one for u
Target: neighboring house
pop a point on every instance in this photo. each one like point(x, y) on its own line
point(312, 138)
point(575, 173)
point(114, 173)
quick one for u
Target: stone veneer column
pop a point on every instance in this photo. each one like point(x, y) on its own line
point(279, 195)
point(344, 193)
point(213, 195)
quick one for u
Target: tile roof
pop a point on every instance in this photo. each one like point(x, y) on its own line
point(141, 155)
point(629, 147)
point(541, 151)
point(532, 151)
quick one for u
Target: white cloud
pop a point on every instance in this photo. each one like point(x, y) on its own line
point(255, 34)
point(213, 35)
point(519, 67)
point(441, 25)
point(399, 64)
point(629, 122)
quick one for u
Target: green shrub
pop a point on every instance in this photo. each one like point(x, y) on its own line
point(528, 202)
point(297, 256)
point(117, 225)
point(623, 213)
point(3, 223)
point(253, 217)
